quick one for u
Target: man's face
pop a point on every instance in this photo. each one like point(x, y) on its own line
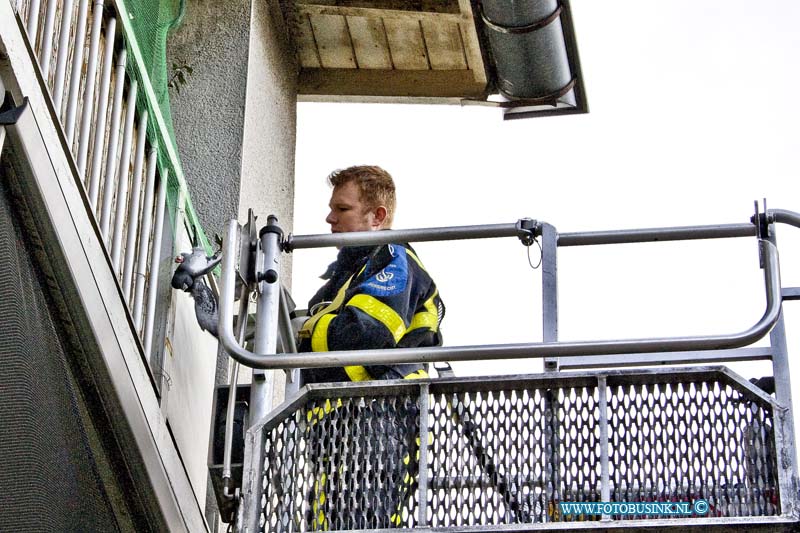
point(348, 213)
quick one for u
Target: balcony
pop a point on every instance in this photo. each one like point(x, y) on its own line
point(98, 207)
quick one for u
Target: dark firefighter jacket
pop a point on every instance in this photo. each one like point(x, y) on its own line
point(380, 297)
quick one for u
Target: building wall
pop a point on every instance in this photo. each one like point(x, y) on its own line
point(235, 122)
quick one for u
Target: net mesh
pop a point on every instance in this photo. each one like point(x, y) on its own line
point(151, 21)
point(48, 467)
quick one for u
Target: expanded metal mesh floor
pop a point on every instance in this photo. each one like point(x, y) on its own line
point(507, 451)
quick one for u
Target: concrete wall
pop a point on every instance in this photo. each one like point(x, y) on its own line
point(235, 123)
point(235, 118)
point(208, 111)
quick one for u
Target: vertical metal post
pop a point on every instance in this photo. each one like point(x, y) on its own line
point(102, 110)
point(266, 334)
point(113, 138)
point(266, 339)
point(549, 291)
point(783, 419)
point(33, 22)
point(287, 335)
point(422, 465)
point(77, 69)
point(123, 178)
point(47, 39)
point(63, 54)
point(550, 334)
point(158, 230)
point(133, 209)
point(244, 299)
point(605, 472)
point(144, 240)
point(88, 91)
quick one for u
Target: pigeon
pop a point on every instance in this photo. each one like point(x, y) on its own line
point(205, 307)
point(188, 278)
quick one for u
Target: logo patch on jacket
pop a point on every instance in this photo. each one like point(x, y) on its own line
point(392, 279)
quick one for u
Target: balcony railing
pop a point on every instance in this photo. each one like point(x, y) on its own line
point(100, 95)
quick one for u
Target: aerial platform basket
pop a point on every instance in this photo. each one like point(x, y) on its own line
point(696, 448)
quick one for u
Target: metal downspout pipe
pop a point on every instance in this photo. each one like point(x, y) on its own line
point(527, 43)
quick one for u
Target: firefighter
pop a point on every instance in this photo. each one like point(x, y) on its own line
point(374, 297)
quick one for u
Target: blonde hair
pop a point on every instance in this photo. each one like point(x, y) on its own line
point(376, 186)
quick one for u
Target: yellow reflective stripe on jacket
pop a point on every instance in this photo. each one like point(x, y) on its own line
point(429, 318)
point(380, 312)
point(359, 373)
point(319, 339)
point(413, 256)
point(308, 326)
point(315, 414)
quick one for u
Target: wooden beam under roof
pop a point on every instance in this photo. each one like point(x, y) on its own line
point(388, 48)
point(391, 83)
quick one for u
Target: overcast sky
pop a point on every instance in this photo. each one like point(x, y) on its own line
point(693, 116)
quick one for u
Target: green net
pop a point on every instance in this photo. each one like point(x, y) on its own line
point(147, 24)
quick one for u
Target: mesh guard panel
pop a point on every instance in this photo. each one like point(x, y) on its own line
point(509, 452)
point(47, 470)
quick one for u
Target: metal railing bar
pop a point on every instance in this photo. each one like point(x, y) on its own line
point(785, 217)
point(144, 239)
point(488, 231)
point(123, 177)
point(790, 293)
point(155, 261)
point(88, 93)
point(157, 120)
point(359, 238)
point(717, 231)
point(33, 22)
point(285, 322)
point(133, 208)
point(605, 470)
point(422, 463)
point(672, 358)
point(234, 380)
point(61, 58)
point(102, 110)
point(113, 142)
point(501, 351)
point(47, 39)
point(77, 69)
point(744, 386)
point(451, 385)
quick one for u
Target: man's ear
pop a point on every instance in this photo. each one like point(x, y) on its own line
point(379, 216)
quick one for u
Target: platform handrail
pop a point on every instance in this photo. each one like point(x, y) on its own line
point(768, 252)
